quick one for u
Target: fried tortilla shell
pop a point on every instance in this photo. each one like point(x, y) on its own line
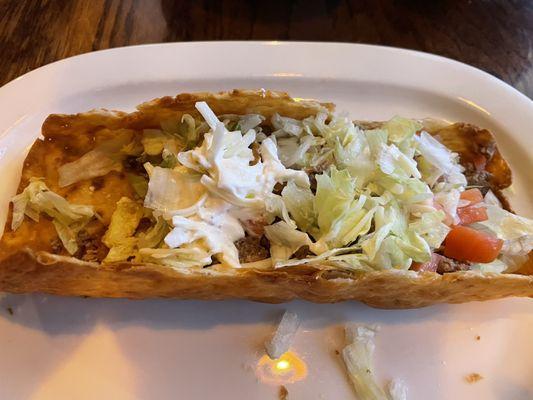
point(31, 262)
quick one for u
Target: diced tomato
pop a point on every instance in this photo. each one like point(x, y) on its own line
point(467, 244)
point(430, 266)
point(474, 196)
point(470, 214)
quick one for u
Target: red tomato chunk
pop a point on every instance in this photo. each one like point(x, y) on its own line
point(474, 196)
point(467, 244)
point(469, 215)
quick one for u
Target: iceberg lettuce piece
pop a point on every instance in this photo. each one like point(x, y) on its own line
point(401, 129)
point(104, 158)
point(174, 190)
point(155, 235)
point(516, 231)
point(430, 227)
point(441, 158)
point(68, 218)
point(358, 356)
point(285, 240)
point(300, 204)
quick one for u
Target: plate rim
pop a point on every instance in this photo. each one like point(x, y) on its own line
point(380, 48)
point(439, 75)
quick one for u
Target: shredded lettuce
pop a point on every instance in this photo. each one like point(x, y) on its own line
point(397, 389)
point(67, 235)
point(335, 194)
point(170, 160)
point(139, 184)
point(285, 240)
point(300, 204)
point(68, 219)
point(497, 266)
point(355, 156)
point(401, 129)
point(230, 169)
point(275, 207)
point(393, 162)
point(186, 131)
point(338, 214)
point(371, 246)
point(441, 158)
point(292, 151)
point(104, 158)
point(91, 165)
point(516, 231)
point(358, 356)
point(319, 259)
point(155, 141)
point(250, 121)
point(282, 339)
point(430, 227)
point(506, 225)
point(490, 198)
point(172, 191)
point(215, 240)
point(286, 126)
point(274, 171)
point(155, 235)
point(449, 201)
point(214, 227)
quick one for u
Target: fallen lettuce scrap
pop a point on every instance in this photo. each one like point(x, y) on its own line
point(284, 335)
point(358, 356)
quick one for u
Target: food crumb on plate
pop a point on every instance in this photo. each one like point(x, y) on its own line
point(283, 393)
point(473, 377)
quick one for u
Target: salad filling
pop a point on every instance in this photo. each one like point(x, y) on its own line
point(240, 191)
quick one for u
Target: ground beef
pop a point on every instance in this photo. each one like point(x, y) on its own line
point(312, 182)
point(256, 153)
point(477, 178)
point(302, 252)
point(446, 264)
point(98, 183)
point(252, 249)
point(278, 188)
point(90, 247)
point(135, 164)
point(57, 246)
point(144, 225)
point(441, 265)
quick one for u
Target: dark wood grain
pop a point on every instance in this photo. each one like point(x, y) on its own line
point(496, 36)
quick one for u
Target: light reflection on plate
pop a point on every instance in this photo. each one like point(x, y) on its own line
point(289, 368)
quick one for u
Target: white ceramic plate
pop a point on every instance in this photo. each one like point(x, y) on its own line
point(71, 348)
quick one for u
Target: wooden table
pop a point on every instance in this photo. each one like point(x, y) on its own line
point(496, 36)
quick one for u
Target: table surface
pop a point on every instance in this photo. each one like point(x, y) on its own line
point(496, 36)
